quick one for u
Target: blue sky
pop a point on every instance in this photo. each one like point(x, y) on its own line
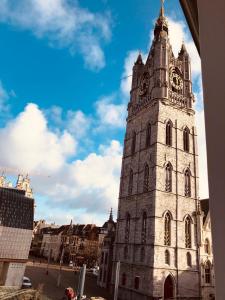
point(63, 97)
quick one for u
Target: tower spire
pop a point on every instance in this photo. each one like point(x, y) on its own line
point(162, 9)
point(111, 215)
point(161, 26)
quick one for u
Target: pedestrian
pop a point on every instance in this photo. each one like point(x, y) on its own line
point(69, 294)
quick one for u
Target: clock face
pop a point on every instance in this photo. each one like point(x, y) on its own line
point(144, 84)
point(175, 80)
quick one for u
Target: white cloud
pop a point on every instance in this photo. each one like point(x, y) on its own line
point(26, 143)
point(68, 184)
point(77, 123)
point(126, 81)
point(64, 23)
point(110, 114)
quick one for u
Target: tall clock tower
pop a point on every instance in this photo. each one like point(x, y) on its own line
point(156, 239)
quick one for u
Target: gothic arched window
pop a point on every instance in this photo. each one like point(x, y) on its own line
point(148, 135)
point(188, 232)
point(142, 255)
point(124, 279)
point(169, 133)
point(167, 257)
point(207, 246)
point(144, 227)
point(208, 272)
point(189, 263)
point(130, 184)
point(146, 179)
point(127, 228)
point(133, 145)
point(167, 230)
point(187, 183)
point(168, 183)
point(186, 133)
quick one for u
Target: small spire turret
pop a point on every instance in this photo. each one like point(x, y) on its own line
point(111, 215)
point(183, 50)
point(139, 60)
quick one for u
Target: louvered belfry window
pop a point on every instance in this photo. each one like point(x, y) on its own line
point(188, 232)
point(167, 230)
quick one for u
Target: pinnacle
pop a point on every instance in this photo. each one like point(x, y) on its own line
point(139, 60)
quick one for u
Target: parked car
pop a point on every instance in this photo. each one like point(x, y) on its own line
point(26, 283)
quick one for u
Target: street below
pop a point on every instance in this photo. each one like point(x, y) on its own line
point(47, 281)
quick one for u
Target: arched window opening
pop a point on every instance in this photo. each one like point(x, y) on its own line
point(168, 183)
point(142, 256)
point(144, 227)
point(136, 282)
point(187, 183)
point(148, 135)
point(124, 279)
point(125, 252)
point(127, 228)
point(146, 178)
point(130, 184)
point(207, 246)
point(208, 272)
point(167, 257)
point(167, 230)
point(186, 133)
point(133, 145)
point(188, 232)
point(189, 262)
point(169, 133)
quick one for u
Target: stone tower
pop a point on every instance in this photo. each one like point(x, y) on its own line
point(156, 236)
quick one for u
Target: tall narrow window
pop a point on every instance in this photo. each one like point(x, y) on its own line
point(130, 183)
point(124, 279)
point(189, 262)
point(188, 232)
point(142, 255)
point(186, 133)
point(168, 183)
point(167, 230)
point(144, 227)
point(146, 179)
point(133, 145)
point(187, 183)
point(148, 135)
point(208, 272)
point(167, 257)
point(206, 246)
point(127, 228)
point(125, 252)
point(136, 282)
point(169, 133)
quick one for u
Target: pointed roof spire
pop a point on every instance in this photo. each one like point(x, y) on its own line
point(162, 9)
point(139, 60)
point(161, 25)
point(111, 215)
point(183, 49)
